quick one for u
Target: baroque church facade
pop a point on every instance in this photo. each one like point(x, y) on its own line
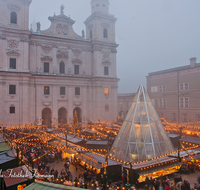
point(47, 75)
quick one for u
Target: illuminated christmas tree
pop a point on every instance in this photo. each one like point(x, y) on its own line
point(75, 120)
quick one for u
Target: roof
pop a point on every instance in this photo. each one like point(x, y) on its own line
point(4, 146)
point(6, 156)
point(194, 140)
point(10, 181)
point(90, 131)
point(174, 69)
point(185, 154)
point(173, 135)
point(101, 159)
point(41, 185)
point(97, 142)
point(73, 139)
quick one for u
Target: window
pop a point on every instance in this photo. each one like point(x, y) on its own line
point(173, 117)
point(184, 86)
point(163, 103)
point(76, 69)
point(198, 117)
point(46, 90)
point(105, 33)
point(156, 103)
point(154, 89)
point(62, 90)
point(106, 91)
point(106, 107)
point(13, 17)
point(184, 102)
point(62, 67)
point(12, 63)
point(12, 109)
point(12, 89)
point(162, 88)
point(91, 34)
point(184, 117)
point(77, 91)
point(46, 67)
point(105, 70)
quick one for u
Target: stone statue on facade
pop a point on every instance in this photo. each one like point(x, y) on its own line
point(38, 26)
point(62, 9)
point(69, 71)
point(83, 33)
point(39, 68)
point(54, 69)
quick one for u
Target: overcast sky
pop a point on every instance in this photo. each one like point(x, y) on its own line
point(152, 35)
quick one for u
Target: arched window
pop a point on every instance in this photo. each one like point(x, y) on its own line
point(105, 33)
point(62, 67)
point(13, 17)
point(91, 34)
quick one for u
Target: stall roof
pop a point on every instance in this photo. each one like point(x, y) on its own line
point(196, 157)
point(6, 156)
point(149, 171)
point(101, 159)
point(194, 140)
point(4, 146)
point(184, 153)
point(90, 131)
point(16, 180)
point(173, 135)
point(41, 185)
point(73, 139)
point(97, 142)
point(152, 162)
point(69, 151)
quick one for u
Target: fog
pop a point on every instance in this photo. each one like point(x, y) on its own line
point(152, 35)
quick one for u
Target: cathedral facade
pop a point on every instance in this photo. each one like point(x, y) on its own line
point(47, 75)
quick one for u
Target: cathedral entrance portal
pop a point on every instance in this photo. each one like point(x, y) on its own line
point(62, 116)
point(79, 114)
point(46, 117)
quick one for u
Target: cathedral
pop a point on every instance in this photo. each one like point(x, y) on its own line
point(48, 75)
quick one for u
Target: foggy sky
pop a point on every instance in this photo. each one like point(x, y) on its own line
point(152, 35)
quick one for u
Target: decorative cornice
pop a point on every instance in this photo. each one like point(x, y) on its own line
point(106, 62)
point(46, 58)
point(13, 53)
point(74, 61)
point(13, 7)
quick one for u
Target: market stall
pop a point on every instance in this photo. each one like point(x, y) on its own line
point(92, 161)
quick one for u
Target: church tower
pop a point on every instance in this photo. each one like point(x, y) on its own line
point(15, 14)
point(100, 31)
point(100, 25)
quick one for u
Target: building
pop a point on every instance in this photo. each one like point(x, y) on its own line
point(176, 92)
point(46, 76)
point(124, 103)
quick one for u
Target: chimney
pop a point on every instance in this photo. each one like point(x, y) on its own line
point(193, 61)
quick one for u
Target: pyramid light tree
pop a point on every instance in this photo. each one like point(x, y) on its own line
point(142, 135)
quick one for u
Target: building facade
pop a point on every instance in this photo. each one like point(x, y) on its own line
point(47, 75)
point(175, 93)
point(124, 103)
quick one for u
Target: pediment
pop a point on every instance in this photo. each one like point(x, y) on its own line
point(13, 53)
point(46, 58)
point(62, 18)
point(76, 61)
point(106, 62)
